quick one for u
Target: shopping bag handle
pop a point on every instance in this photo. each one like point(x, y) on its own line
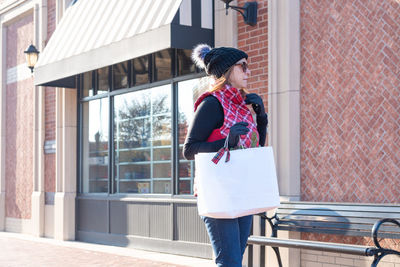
point(222, 151)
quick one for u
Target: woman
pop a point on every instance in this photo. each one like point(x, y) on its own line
point(221, 113)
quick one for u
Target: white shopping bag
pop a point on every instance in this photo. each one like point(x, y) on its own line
point(246, 184)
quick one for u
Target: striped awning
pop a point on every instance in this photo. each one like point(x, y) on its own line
point(94, 34)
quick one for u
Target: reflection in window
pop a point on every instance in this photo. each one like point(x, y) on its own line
point(88, 88)
point(121, 73)
point(187, 95)
point(102, 78)
point(95, 146)
point(140, 71)
point(142, 141)
point(162, 68)
point(185, 63)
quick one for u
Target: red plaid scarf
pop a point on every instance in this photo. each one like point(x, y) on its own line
point(235, 110)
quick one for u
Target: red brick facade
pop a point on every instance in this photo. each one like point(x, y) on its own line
point(19, 124)
point(51, 18)
point(350, 127)
point(254, 41)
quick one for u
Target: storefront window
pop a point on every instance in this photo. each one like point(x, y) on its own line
point(142, 141)
point(140, 159)
point(95, 146)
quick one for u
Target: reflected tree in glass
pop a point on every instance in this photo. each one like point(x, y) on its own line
point(138, 132)
point(135, 133)
point(143, 136)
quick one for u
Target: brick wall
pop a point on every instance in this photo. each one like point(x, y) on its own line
point(51, 18)
point(50, 108)
point(50, 113)
point(350, 127)
point(19, 124)
point(254, 41)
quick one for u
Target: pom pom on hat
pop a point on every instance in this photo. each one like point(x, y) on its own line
point(199, 53)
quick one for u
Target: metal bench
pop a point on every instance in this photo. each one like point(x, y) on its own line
point(376, 221)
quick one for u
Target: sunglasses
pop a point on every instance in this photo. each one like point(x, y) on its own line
point(244, 66)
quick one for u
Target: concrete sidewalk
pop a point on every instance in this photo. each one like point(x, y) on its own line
point(24, 250)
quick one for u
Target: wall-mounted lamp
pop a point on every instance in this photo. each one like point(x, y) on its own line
point(249, 12)
point(31, 54)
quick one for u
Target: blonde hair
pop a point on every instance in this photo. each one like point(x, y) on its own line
point(223, 80)
point(219, 84)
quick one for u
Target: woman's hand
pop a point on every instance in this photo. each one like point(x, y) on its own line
point(256, 102)
point(235, 131)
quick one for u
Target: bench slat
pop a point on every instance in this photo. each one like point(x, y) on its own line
point(347, 232)
point(336, 213)
point(339, 225)
point(313, 245)
point(294, 217)
point(348, 220)
point(389, 208)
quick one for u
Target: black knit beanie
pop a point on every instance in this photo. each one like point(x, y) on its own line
point(216, 61)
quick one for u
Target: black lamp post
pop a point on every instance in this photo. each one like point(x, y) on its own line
point(31, 54)
point(249, 12)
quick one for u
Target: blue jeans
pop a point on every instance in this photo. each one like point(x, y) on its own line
point(229, 239)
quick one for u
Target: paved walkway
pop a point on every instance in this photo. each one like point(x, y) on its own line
point(23, 250)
